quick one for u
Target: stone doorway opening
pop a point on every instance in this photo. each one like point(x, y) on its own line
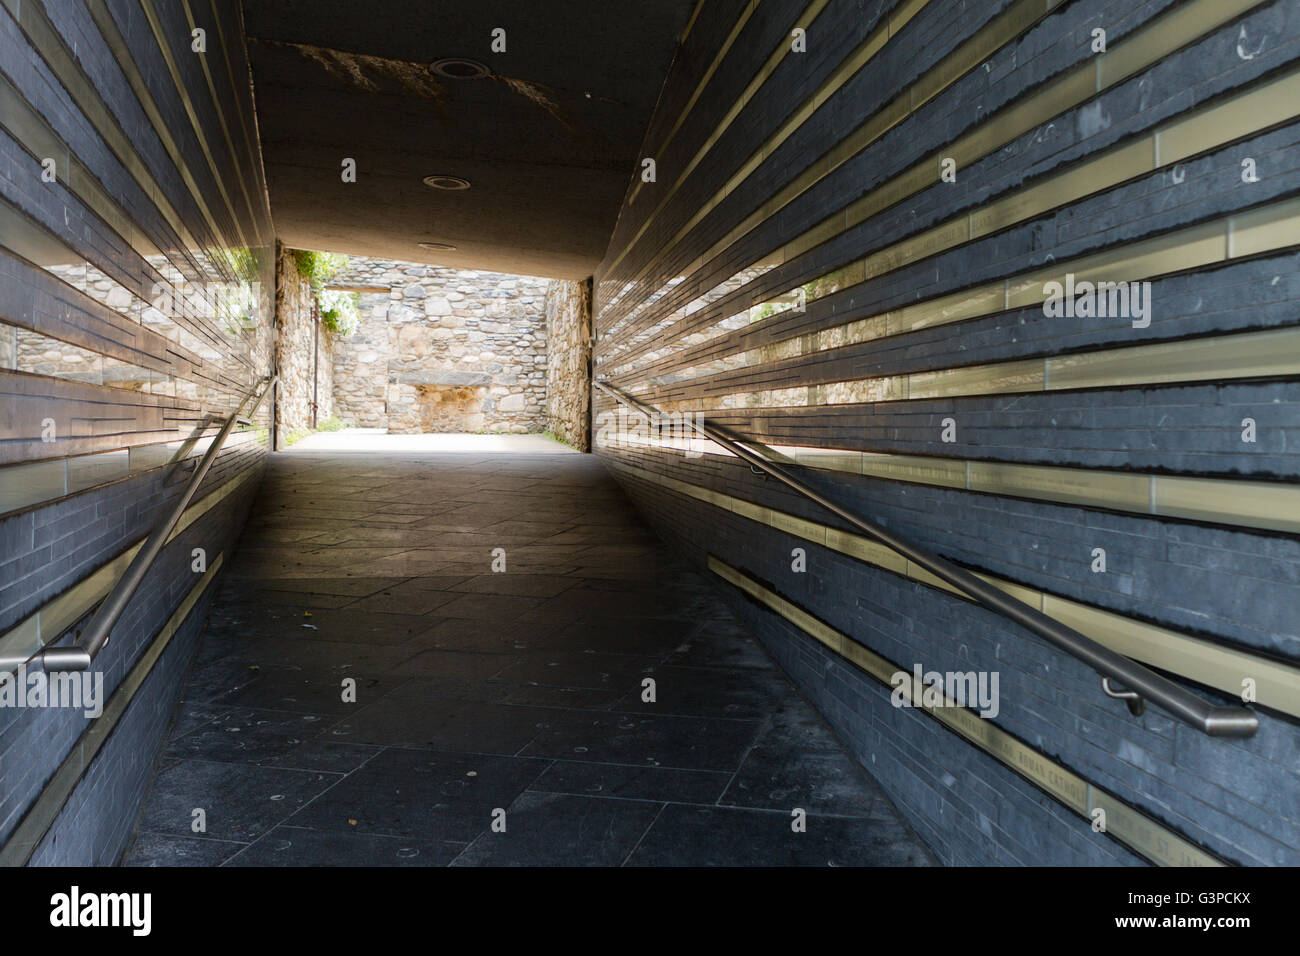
point(449, 408)
point(440, 350)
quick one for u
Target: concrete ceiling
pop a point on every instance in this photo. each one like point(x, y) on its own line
point(548, 142)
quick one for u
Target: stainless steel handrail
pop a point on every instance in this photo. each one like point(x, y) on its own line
point(95, 635)
point(1214, 719)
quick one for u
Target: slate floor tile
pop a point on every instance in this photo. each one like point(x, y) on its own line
point(475, 690)
point(404, 599)
point(554, 829)
point(354, 624)
point(633, 783)
point(652, 637)
point(217, 678)
point(422, 794)
point(447, 663)
point(486, 636)
point(343, 656)
point(239, 802)
point(710, 692)
point(520, 584)
point(580, 669)
point(708, 648)
point(268, 738)
point(714, 836)
point(459, 725)
point(505, 692)
point(303, 691)
point(420, 689)
point(689, 743)
point(301, 600)
point(192, 714)
point(778, 779)
point(550, 695)
point(287, 621)
point(303, 846)
point(495, 607)
point(427, 582)
point(168, 849)
point(355, 587)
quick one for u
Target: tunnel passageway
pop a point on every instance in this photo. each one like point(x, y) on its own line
point(370, 690)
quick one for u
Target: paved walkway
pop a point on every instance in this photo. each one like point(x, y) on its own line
point(483, 696)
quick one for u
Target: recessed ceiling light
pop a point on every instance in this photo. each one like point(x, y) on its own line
point(437, 246)
point(459, 68)
point(446, 182)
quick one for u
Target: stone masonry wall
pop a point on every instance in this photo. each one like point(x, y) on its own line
point(442, 350)
point(568, 367)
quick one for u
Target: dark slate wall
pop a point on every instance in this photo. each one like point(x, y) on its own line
point(135, 314)
point(678, 266)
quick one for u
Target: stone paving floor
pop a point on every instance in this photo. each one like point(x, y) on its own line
point(369, 558)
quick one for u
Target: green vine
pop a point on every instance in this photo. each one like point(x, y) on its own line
point(338, 309)
point(319, 267)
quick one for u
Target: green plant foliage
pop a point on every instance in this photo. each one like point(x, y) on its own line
point(332, 424)
point(338, 311)
point(319, 267)
point(825, 285)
